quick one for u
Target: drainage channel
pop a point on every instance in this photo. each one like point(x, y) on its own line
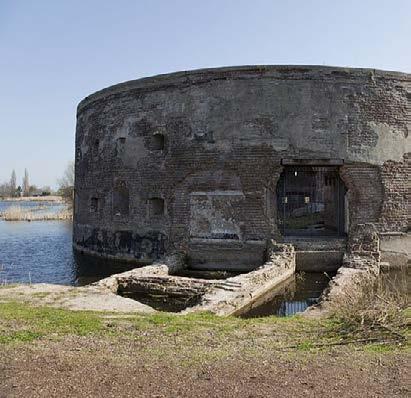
point(298, 293)
point(177, 293)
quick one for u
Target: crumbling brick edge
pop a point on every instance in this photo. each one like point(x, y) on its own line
point(362, 259)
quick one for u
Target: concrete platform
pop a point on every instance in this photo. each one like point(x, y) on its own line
point(318, 254)
point(222, 297)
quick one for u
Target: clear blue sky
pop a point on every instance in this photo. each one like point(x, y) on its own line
point(54, 53)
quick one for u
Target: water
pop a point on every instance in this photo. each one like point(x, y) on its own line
point(295, 295)
point(38, 251)
point(41, 251)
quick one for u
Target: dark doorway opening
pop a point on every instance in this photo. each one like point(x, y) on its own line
point(311, 201)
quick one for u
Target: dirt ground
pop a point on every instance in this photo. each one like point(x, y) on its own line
point(55, 352)
point(82, 367)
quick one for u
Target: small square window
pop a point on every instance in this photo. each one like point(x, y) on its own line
point(156, 206)
point(120, 146)
point(96, 147)
point(94, 205)
point(157, 142)
point(79, 155)
point(121, 199)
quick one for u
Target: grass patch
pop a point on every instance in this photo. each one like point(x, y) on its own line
point(28, 323)
point(305, 346)
point(379, 348)
point(40, 294)
point(23, 336)
point(191, 339)
point(170, 323)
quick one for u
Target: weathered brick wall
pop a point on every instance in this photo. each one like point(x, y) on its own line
point(225, 133)
point(364, 193)
point(395, 180)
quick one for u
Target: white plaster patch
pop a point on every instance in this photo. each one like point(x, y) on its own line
point(213, 214)
point(391, 144)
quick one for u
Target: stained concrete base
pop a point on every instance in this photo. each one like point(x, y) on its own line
point(318, 253)
point(395, 249)
point(234, 255)
point(318, 261)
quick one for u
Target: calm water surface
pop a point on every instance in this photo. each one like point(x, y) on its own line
point(39, 251)
point(298, 293)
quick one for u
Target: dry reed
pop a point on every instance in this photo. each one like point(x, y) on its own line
point(17, 213)
point(372, 303)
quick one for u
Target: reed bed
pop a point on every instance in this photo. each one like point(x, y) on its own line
point(50, 198)
point(17, 213)
point(372, 303)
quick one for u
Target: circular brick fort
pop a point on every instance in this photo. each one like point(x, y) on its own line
point(216, 162)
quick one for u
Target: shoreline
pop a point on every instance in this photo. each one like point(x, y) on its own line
point(29, 217)
point(43, 211)
point(51, 198)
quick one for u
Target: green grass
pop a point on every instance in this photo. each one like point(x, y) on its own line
point(25, 323)
point(18, 336)
point(37, 322)
point(188, 339)
point(379, 348)
point(191, 323)
point(40, 295)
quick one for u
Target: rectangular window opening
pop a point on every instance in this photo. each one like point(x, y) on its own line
point(158, 142)
point(156, 206)
point(311, 201)
point(94, 205)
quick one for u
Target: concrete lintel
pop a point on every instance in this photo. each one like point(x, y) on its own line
point(217, 193)
point(312, 162)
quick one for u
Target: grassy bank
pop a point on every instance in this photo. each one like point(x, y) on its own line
point(360, 350)
point(22, 322)
point(56, 352)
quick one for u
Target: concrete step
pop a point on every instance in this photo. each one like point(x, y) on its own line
point(318, 260)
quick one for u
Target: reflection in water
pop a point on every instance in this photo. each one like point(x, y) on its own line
point(41, 252)
point(397, 280)
point(89, 269)
point(36, 251)
point(304, 289)
point(295, 295)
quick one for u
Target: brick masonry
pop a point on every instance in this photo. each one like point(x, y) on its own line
point(190, 161)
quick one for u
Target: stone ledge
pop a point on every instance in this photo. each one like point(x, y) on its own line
point(197, 76)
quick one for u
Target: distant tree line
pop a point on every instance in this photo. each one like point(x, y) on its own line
point(66, 184)
point(11, 189)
